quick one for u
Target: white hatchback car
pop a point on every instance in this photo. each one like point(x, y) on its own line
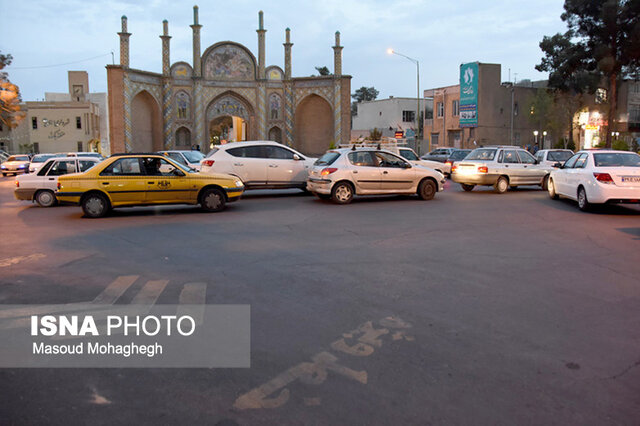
point(191, 158)
point(260, 164)
point(41, 186)
point(410, 155)
point(340, 174)
point(548, 157)
point(598, 177)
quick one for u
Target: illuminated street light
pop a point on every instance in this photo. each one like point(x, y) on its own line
point(415, 61)
point(544, 138)
point(535, 133)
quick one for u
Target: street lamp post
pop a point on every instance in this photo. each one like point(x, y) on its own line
point(535, 134)
point(544, 140)
point(415, 61)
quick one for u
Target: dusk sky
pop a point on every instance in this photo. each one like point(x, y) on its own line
point(441, 35)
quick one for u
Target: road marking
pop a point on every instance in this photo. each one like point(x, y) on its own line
point(15, 260)
point(192, 301)
point(109, 295)
point(316, 372)
point(148, 295)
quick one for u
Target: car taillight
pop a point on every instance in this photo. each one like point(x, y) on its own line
point(17, 184)
point(327, 171)
point(483, 169)
point(603, 177)
point(59, 185)
point(208, 163)
point(454, 168)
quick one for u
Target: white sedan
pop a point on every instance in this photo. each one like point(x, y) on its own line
point(409, 154)
point(598, 177)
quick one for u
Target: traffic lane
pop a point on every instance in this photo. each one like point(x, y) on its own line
point(271, 291)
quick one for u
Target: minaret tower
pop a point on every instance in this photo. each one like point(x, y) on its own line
point(337, 56)
point(196, 43)
point(287, 54)
point(166, 62)
point(261, 46)
point(124, 43)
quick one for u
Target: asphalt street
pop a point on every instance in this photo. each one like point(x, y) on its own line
point(471, 308)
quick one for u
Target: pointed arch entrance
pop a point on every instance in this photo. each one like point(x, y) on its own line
point(313, 125)
point(146, 123)
point(230, 118)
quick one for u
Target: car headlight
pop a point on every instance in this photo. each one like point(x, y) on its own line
point(239, 183)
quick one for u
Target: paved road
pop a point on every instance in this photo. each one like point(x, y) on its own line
point(472, 308)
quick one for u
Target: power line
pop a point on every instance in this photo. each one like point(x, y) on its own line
point(58, 65)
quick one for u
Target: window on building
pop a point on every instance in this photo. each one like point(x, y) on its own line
point(434, 138)
point(428, 109)
point(408, 116)
point(634, 113)
point(78, 123)
point(34, 122)
point(440, 109)
point(515, 109)
point(36, 147)
point(455, 107)
point(80, 147)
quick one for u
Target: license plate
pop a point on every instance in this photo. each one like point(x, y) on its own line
point(631, 179)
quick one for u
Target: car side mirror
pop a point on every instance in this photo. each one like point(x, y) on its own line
point(406, 166)
point(177, 172)
point(556, 165)
point(297, 157)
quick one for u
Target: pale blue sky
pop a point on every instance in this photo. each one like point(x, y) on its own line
point(440, 34)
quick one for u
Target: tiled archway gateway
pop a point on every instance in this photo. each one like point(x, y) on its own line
point(313, 125)
point(241, 113)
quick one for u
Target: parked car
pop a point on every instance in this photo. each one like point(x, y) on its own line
point(500, 166)
point(341, 174)
point(125, 180)
point(189, 158)
point(38, 160)
point(440, 154)
point(456, 155)
point(16, 164)
point(81, 154)
point(549, 157)
point(260, 164)
point(41, 186)
point(597, 177)
point(410, 155)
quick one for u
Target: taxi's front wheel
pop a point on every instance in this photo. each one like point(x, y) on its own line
point(95, 205)
point(212, 200)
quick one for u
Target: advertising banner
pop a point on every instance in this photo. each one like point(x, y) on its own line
point(469, 95)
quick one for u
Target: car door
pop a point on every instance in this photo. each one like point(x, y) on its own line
point(249, 163)
point(283, 169)
point(59, 168)
point(561, 177)
point(124, 181)
point(365, 172)
point(512, 167)
point(533, 173)
point(575, 174)
point(396, 174)
point(166, 183)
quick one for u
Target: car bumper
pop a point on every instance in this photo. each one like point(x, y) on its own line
point(474, 179)
point(320, 186)
point(598, 193)
point(24, 194)
point(234, 194)
point(16, 171)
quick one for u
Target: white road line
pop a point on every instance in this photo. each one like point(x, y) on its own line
point(149, 293)
point(114, 290)
point(192, 301)
point(14, 260)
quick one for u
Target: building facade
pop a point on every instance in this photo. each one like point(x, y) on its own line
point(63, 122)
point(225, 94)
point(499, 114)
point(387, 115)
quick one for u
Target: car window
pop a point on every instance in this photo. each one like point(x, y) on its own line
point(581, 162)
point(362, 158)
point(123, 167)
point(616, 159)
point(44, 169)
point(458, 155)
point(539, 155)
point(193, 156)
point(389, 160)
point(18, 158)
point(41, 158)
point(86, 165)
point(154, 166)
point(408, 154)
point(526, 158)
point(255, 151)
point(559, 155)
point(500, 156)
point(327, 159)
point(482, 154)
point(176, 157)
point(62, 167)
point(570, 162)
point(275, 152)
point(511, 157)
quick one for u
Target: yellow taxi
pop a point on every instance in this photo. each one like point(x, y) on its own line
point(145, 179)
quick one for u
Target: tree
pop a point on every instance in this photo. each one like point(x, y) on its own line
point(10, 99)
point(323, 70)
point(365, 94)
point(602, 44)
